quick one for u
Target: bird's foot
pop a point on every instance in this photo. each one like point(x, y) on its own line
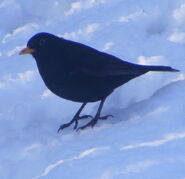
point(94, 121)
point(81, 118)
point(75, 119)
point(105, 117)
point(90, 124)
point(85, 117)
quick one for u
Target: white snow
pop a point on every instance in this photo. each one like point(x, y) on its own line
point(107, 46)
point(179, 14)
point(82, 4)
point(47, 93)
point(146, 137)
point(82, 33)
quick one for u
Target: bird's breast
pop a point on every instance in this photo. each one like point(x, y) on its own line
point(74, 87)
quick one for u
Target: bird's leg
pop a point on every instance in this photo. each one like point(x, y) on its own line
point(75, 119)
point(95, 119)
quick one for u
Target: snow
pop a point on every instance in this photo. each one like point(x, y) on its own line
point(146, 137)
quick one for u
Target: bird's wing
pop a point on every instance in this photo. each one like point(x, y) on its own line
point(93, 62)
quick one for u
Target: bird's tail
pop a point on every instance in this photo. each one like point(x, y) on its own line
point(160, 68)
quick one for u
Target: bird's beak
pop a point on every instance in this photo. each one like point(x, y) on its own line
point(26, 51)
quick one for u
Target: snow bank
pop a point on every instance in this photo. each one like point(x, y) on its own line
point(145, 139)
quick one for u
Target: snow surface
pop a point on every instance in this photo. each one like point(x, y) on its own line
point(145, 139)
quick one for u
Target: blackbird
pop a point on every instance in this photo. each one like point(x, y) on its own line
point(80, 73)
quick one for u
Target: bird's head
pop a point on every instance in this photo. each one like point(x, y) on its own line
point(40, 43)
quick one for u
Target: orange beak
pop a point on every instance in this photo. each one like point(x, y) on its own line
point(26, 51)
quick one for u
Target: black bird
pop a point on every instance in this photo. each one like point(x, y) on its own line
point(80, 73)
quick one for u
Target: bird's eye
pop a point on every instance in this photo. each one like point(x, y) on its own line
point(42, 42)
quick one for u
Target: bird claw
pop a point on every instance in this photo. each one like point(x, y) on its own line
point(90, 124)
point(63, 126)
point(81, 118)
point(76, 125)
point(85, 117)
point(105, 117)
point(74, 120)
point(94, 121)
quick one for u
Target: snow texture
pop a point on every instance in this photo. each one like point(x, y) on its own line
point(146, 137)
